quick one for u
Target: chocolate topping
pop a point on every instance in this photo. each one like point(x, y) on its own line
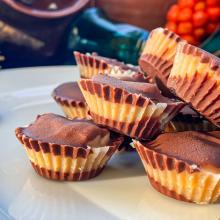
point(145, 89)
point(137, 77)
point(188, 113)
point(199, 148)
point(52, 128)
point(69, 91)
point(189, 116)
point(148, 67)
point(160, 75)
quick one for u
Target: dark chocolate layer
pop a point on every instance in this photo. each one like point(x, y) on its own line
point(158, 69)
point(69, 91)
point(145, 89)
point(187, 110)
point(200, 148)
point(155, 66)
point(187, 114)
point(52, 128)
point(137, 77)
point(188, 119)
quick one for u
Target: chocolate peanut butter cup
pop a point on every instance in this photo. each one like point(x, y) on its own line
point(69, 97)
point(195, 78)
point(158, 54)
point(63, 149)
point(184, 165)
point(134, 109)
point(93, 64)
point(189, 120)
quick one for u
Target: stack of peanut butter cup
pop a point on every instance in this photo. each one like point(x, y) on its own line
point(169, 106)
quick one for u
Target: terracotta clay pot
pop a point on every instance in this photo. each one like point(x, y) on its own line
point(148, 14)
point(41, 8)
point(36, 31)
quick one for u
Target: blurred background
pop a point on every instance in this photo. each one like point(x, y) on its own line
point(46, 32)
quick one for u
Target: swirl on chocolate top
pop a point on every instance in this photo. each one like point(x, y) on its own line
point(69, 91)
point(147, 90)
point(52, 128)
point(199, 148)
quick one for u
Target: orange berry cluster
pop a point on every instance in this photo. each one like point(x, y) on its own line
point(194, 20)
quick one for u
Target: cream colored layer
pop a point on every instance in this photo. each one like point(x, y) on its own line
point(189, 65)
point(123, 112)
point(87, 71)
point(161, 45)
point(95, 160)
point(199, 187)
point(75, 112)
point(116, 71)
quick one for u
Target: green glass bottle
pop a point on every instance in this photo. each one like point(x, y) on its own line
point(93, 32)
point(212, 44)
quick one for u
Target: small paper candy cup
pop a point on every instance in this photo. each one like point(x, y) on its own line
point(178, 179)
point(128, 145)
point(90, 65)
point(62, 162)
point(157, 57)
point(195, 78)
point(72, 109)
point(130, 114)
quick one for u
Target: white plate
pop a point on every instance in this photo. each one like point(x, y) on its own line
point(122, 191)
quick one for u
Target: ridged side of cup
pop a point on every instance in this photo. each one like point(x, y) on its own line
point(195, 78)
point(178, 179)
point(130, 114)
point(157, 57)
point(72, 109)
point(62, 162)
point(90, 66)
